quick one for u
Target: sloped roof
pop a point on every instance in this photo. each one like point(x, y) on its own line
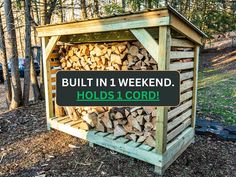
point(128, 20)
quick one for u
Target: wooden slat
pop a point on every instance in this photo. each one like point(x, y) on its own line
point(179, 119)
point(47, 82)
point(147, 41)
point(163, 64)
point(142, 152)
point(195, 84)
point(129, 148)
point(181, 65)
point(145, 20)
point(186, 96)
point(178, 130)
point(68, 129)
point(181, 54)
point(186, 75)
point(186, 85)
point(181, 43)
point(183, 28)
point(179, 109)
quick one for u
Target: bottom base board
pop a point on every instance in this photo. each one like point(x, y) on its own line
point(133, 149)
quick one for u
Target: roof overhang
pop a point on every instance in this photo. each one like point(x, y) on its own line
point(145, 19)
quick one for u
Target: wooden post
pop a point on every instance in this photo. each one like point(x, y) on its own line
point(47, 48)
point(195, 83)
point(163, 64)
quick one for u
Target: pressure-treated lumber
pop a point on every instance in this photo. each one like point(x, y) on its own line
point(181, 66)
point(162, 112)
point(186, 96)
point(186, 85)
point(178, 130)
point(47, 82)
point(125, 146)
point(179, 109)
point(179, 119)
point(147, 41)
point(148, 19)
point(186, 75)
point(183, 28)
point(181, 43)
point(50, 46)
point(181, 54)
point(195, 84)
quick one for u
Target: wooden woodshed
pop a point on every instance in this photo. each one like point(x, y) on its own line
point(171, 40)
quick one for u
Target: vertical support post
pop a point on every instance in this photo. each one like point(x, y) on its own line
point(163, 64)
point(47, 82)
point(195, 84)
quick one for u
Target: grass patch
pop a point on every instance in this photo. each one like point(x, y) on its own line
point(217, 95)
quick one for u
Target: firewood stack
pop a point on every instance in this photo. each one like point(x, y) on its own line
point(110, 56)
point(135, 123)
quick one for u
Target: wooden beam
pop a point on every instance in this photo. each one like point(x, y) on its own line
point(181, 65)
point(47, 47)
point(148, 19)
point(179, 109)
point(177, 24)
point(178, 130)
point(50, 46)
point(181, 54)
point(195, 83)
point(181, 43)
point(163, 64)
point(149, 43)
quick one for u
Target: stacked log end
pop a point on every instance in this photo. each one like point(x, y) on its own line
point(135, 123)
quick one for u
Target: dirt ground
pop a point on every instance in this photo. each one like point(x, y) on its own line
point(28, 149)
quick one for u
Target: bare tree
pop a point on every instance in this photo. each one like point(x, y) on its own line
point(96, 8)
point(3, 55)
point(27, 53)
point(51, 4)
point(16, 85)
point(83, 9)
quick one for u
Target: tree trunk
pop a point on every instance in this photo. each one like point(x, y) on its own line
point(162, 3)
point(96, 8)
point(49, 12)
point(42, 22)
point(27, 53)
point(16, 85)
point(6, 75)
point(72, 11)
point(83, 9)
point(19, 32)
point(34, 29)
point(61, 11)
point(34, 82)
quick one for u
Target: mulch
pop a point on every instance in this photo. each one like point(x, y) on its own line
point(28, 149)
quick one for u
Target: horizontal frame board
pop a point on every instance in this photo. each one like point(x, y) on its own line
point(181, 54)
point(142, 152)
point(149, 19)
point(179, 119)
point(178, 130)
point(179, 109)
point(181, 65)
